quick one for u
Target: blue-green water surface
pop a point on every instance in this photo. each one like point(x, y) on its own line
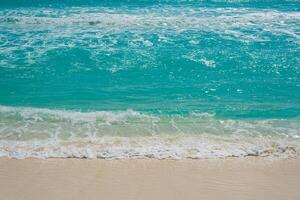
point(235, 61)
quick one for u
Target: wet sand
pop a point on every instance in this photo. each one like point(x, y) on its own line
point(79, 179)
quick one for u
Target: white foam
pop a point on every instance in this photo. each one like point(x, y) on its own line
point(48, 29)
point(43, 133)
point(34, 123)
point(36, 114)
point(159, 147)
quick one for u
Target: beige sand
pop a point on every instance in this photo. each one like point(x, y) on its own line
point(76, 179)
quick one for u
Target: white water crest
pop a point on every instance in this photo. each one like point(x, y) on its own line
point(158, 147)
point(44, 133)
point(103, 28)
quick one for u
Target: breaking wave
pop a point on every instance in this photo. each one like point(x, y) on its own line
point(43, 133)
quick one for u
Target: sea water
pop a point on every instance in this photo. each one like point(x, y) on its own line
point(149, 78)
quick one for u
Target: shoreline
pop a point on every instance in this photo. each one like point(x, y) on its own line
point(230, 178)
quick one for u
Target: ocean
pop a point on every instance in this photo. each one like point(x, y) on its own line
point(165, 79)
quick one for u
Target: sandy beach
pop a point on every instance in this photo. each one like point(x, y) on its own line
point(246, 178)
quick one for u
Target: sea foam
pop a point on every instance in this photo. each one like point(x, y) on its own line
point(44, 133)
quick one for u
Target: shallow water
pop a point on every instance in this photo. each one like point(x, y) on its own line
point(165, 79)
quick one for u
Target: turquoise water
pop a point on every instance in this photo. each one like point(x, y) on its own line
point(162, 79)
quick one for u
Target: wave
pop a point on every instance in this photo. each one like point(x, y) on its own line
point(43, 133)
point(234, 22)
point(42, 31)
point(25, 123)
point(155, 17)
point(158, 147)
